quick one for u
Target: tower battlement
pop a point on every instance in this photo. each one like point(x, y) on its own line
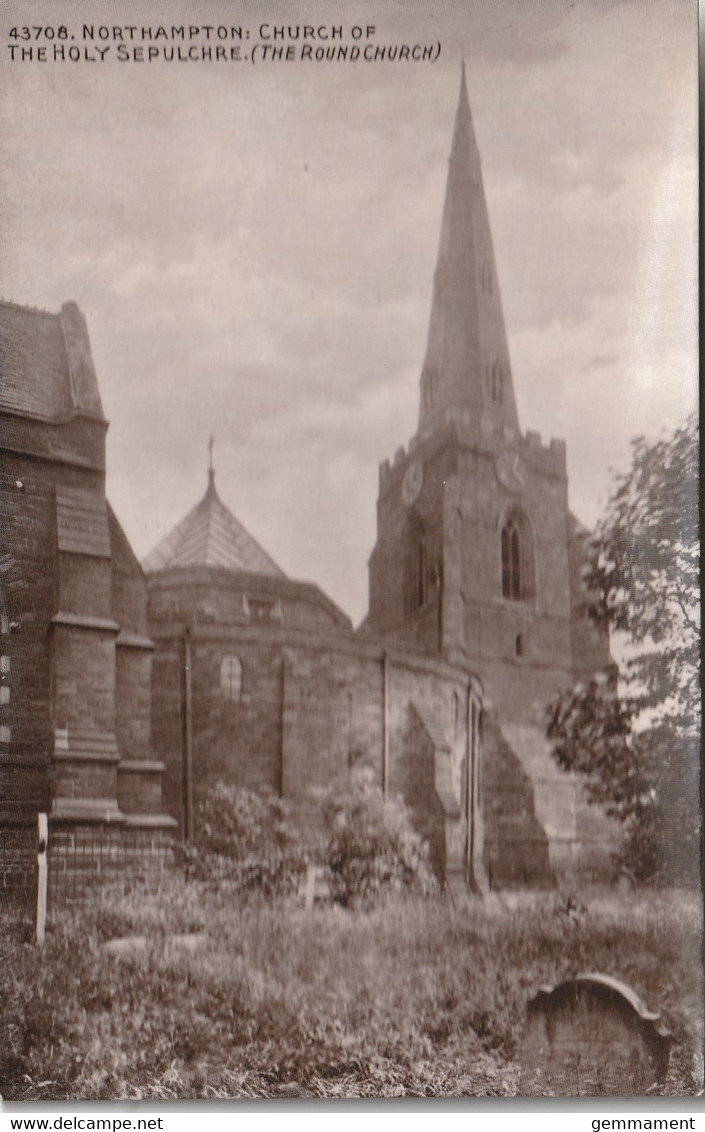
point(548, 458)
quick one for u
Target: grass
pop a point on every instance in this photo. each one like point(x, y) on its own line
point(412, 999)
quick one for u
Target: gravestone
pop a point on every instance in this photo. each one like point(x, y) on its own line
point(592, 1036)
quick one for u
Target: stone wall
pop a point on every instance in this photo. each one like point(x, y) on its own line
point(309, 708)
point(522, 649)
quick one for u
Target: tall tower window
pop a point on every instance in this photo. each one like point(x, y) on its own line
point(517, 558)
point(415, 557)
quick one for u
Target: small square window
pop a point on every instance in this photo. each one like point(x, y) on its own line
point(5, 734)
point(262, 608)
point(4, 665)
point(4, 694)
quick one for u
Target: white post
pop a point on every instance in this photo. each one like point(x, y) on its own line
point(42, 839)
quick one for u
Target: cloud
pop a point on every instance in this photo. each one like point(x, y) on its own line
point(254, 250)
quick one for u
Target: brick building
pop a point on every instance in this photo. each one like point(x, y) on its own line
point(75, 710)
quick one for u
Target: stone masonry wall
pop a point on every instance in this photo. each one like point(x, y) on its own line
point(306, 710)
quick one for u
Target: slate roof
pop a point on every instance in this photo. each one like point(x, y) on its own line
point(46, 368)
point(210, 535)
point(34, 369)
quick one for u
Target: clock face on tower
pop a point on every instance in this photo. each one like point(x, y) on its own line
point(512, 472)
point(412, 483)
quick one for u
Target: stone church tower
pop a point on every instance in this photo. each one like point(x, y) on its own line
point(478, 556)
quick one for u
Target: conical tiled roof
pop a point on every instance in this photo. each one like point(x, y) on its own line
point(210, 535)
point(467, 358)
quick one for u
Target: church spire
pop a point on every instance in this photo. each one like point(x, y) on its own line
point(467, 364)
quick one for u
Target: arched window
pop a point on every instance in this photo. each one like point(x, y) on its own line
point(231, 677)
point(416, 571)
point(517, 558)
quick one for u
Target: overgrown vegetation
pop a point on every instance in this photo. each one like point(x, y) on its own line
point(372, 850)
point(638, 740)
point(247, 842)
point(263, 999)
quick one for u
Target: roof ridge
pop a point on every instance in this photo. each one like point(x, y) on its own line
point(29, 309)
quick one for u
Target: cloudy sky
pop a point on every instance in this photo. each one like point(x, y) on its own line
point(253, 245)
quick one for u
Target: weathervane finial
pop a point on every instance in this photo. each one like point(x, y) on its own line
point(211, 469)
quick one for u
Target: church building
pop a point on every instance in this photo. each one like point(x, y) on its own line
point(75, 654)
point(474, 617)
point(260, 680)
point(128, 691)
point(476, 512)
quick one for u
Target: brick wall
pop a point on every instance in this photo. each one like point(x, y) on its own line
point(18, 862)
point(84, 666)
point(133, 695)
point(36, 457)
point(84, 585)
point(59, 593)
point(26, 516)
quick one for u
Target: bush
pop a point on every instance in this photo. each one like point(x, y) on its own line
point(372, 849)
point(246, 840)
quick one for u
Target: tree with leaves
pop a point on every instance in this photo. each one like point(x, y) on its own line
point(637, 738)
